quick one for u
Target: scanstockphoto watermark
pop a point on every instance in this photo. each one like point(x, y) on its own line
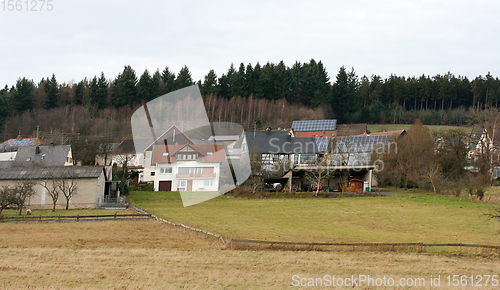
point(369, 281)
point(26, 5)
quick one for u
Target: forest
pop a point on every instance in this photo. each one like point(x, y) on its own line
point(248, 94)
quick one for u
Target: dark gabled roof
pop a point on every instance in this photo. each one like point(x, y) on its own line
point(52, 155)
point(25, 173)
point(279, 142)
point(12, 145)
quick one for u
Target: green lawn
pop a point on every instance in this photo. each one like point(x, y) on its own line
point(435, 129)
point(398, 217)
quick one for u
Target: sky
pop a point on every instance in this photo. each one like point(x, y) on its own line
point(79, 39)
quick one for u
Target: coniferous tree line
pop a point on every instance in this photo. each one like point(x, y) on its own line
point(441, 99)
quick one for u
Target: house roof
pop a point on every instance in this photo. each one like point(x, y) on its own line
point(315, 134)
point(23, 173)
point(13, 144)
point(314, 125)
point(362, 143)
point(52, 155)
point(394, 132)
point(219, 152)
point(279, 142)
point(172, 136)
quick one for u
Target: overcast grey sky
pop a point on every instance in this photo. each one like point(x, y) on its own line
point(83, 38)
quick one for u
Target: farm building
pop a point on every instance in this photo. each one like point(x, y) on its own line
point(89, 182)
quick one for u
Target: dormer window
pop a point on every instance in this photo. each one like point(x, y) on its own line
point(166, 154)
point(210, 154)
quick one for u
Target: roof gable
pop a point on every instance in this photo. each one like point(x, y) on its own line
point(172, 136)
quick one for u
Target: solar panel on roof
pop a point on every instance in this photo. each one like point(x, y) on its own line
point(315, 125)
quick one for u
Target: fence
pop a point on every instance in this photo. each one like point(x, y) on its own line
point(112, 202)
point(416, 247)
point(76, 217)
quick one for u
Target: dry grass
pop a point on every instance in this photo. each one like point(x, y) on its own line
point(101, 234)
point(65, 268)
point(401, 217)
point(147, 254)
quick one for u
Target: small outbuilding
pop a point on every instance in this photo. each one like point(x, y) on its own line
point(89, 182)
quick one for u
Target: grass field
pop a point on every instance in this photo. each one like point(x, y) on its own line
point(398, 217)
point(148, 254)
point(435, 129)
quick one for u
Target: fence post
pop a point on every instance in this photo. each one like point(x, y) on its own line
point(40, 217)
point(78, 217)
point(115, 215)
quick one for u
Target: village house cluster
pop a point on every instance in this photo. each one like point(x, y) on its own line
point(179, 161)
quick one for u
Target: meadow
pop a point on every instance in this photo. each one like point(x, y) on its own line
point(399, 217)
point(434, 129)
point(149, 254)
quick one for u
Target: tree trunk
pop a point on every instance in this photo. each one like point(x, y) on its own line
point(67, 204)
point(54, 207)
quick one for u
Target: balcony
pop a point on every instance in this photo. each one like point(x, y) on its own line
point(195, 175)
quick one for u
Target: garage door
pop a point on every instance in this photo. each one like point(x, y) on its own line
point(165, 185)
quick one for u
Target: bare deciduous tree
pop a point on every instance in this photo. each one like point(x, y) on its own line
point(318, 170)
point(53, 191)
point(23, 191)
point(7, 197)
point(67, 186)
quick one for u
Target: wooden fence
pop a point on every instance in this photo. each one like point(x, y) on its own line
point(75, 217)
point(417, 247)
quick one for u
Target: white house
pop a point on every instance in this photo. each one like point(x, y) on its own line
point(187, 167)
point(176, 162)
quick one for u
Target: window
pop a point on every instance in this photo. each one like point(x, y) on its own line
point(210, 154)
point(187, 156)
point(208, 183)
point(152, 173)
point(189, 170)
point(165, 170)
point(181, 185)
point(166, 154)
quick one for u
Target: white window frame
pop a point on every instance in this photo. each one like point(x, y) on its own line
point(181, 185)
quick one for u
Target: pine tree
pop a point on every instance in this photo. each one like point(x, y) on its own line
point(144, 86)
point(209, 85)
point(52, 91)
point(124, 89)
point(184, 78)
point(22, 95)
point(168, 81)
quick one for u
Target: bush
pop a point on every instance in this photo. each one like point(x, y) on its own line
point(146, 187)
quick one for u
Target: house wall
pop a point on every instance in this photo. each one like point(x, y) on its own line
point(148, 168)
point(198, 182)
point(88, 191)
